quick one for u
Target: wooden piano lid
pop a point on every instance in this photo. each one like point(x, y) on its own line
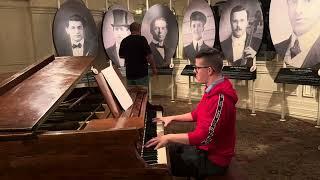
point(25, 105)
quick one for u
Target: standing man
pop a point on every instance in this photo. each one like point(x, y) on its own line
point(159, 30)
point(238, 48)
point(209, 148)
point(77, 44)
point(302, 48)
point(120, 29)
point(137, 54)
point(197, 23)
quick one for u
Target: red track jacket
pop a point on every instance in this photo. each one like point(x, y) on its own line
point(215, 118)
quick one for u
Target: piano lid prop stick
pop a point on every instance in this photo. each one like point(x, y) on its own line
point(80, 99)
point(170, 5)
point(58, 3)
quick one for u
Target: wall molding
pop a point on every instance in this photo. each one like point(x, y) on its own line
point(14, 4)
point(43, 10)
point(98, 13)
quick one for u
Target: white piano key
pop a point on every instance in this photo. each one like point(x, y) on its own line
point(162, 153)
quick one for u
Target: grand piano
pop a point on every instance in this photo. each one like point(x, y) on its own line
point(52, 128)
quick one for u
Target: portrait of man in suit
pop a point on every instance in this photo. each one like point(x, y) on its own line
point(240, 47)
point(197, 26)
point(77, 44)
point(301, 49)
point(159, 30)
point(120, 27)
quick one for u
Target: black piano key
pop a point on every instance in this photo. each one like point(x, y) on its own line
point(152, 156)
point(151, 153)
point(152, 162)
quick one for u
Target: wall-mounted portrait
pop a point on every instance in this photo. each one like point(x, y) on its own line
point(160, 28)
point(295, 32)
point(198, 29)
point(74, 30)
point(115, 28)
point(241, 31)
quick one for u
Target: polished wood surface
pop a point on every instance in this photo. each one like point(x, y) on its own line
point(131, 118)
point(104, 149)
point(100, 149)
point(26, 104)
point(108, 96)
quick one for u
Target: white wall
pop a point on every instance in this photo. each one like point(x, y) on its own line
point(16, 43)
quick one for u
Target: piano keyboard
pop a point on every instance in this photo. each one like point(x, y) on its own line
point(151, 130)
point(162, 153)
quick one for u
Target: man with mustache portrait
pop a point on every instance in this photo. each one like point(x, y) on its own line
point(301, 49)
point(238, 48)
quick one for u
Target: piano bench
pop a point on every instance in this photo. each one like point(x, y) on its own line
point(234, 172)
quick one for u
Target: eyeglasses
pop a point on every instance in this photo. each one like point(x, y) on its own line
point(196, 68)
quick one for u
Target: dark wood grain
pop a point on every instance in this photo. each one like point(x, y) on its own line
point(108, 96)
point(88, 174)
point(104, 149)
point(72, 150)
point(126, 119)
point(26, 104)
point(142, 100)
point(105, 154)
point(137, 105)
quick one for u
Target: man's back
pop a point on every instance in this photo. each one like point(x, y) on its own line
point(134, 49)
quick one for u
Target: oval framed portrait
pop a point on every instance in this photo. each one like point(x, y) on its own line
point(115, 28)
point(74, 30)
point(240, 31)
point(160, 28)
point(198, 29)
point(295, 32)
